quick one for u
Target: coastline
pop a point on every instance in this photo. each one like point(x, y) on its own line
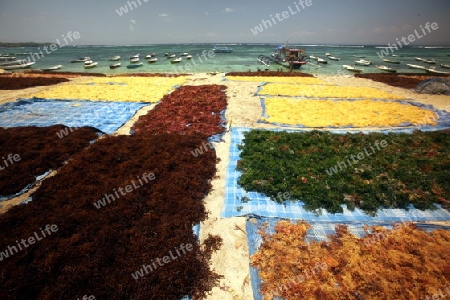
point(244, 110)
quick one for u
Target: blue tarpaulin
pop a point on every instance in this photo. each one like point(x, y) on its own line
point(104, 116)
point(239, 202)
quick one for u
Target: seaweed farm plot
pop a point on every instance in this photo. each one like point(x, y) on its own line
point(350, 171)
point(296, 80)
point(105, 116)
point(17, 83)
point(130, 89)
point(29, 152)
point(346, 113)
point(192, 109)
point(352, 262)
point(123, 211)
point(324, 91)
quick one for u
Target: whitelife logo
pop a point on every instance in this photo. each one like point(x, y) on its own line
point(165, 260)
point(128, 189)
point(11, 250)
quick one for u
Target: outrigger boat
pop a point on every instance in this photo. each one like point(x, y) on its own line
point(290, 57)
point(445, 66)
point(391, 61)
point(115, 66)
point(387, 69)
point(89, 64)
point(134, 66)
point(152, 60)
point(82, 59)
point(418, 67)
point(57, 67)
point(352, 69)
point(19, 66)
point(363, 62)
point(176, 60)
point(334, 58)
point(437, 72)
point(321, 60)
point(115, 58)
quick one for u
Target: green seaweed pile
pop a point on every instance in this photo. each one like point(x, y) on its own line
point(368, 171)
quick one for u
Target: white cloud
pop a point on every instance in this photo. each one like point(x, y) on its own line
point(228, 10)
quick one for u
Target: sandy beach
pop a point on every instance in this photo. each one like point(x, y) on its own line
point(244, 110)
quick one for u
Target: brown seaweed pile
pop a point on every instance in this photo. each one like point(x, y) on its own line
point(17, 83)
point(270, 73)
point(27, 152)
point(121, 206)
point(407, 81)
point(403, 263)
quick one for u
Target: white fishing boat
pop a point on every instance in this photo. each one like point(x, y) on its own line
point(391, 61)
point(429, 61)
point(189, 57)
point(152, 60)
point(115, 66)
point(115, 58)
point(134, 66)
point(19, 66)
point(313, 57)
point(184, 54)
point(352, 69)
point(419, 59)
point(82, 59)
point(148, 56)
point(57, 67)
point(135, 56)
point(363, 62)
point(445, 66)
point(328, 54)
point(89, 64)
point(386, 68)
point(321, 60)
point(411, 66)
point(437, 72)
point(169, 56)
point(176, 60)
point(334, 58)
point(134, 60)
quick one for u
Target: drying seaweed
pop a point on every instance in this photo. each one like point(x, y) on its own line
point(37, 150)
point(407, 81)
point(19, 82)
point(368, 171)
point(270, 73)
point(403, 263)
point(189, 109)
point(97, 248)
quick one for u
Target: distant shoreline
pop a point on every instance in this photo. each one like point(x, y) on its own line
point(25, 44)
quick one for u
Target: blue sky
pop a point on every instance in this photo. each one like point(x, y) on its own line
point(210, 21)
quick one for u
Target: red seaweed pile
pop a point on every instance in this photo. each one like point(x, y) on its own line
point(17, 83)
point(124, 209)
point(270, 73)
point(27, 152)
point(188, 110)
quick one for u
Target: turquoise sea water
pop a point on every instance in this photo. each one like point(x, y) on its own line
point(243, 58)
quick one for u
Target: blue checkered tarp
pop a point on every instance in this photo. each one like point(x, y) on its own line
point(239, 202)
point(104, 116)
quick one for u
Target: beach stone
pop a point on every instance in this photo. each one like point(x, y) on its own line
point(434, 86)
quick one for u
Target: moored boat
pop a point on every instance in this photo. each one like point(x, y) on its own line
point(89, 64)
point(321, 60)
point(189, 57)
point(176, 60)
point(18, 66)
point(445, 66)
point(57, 67)
point(222, 49)
point(82, 59)
point(363, 62)
point(437, 72)
point(429, 61)
point(418, 58)
point(386, 68)
point(328, 54)
point(134, 66)
point(419, 67)
point(115, 66)
point(134, 60)
point(169, 56)
point(115, 58)
point(352, 69)
point(152, 60)
point(334, 58)
point(391, 61)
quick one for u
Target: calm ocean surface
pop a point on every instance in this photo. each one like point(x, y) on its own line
point(243, 58)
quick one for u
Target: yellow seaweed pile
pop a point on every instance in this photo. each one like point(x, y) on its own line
point(403, 263)
point(358, 113)
point(129, 89)
point(295, 80)
point(325, 91)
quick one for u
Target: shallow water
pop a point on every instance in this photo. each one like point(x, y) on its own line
point(243, 58)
